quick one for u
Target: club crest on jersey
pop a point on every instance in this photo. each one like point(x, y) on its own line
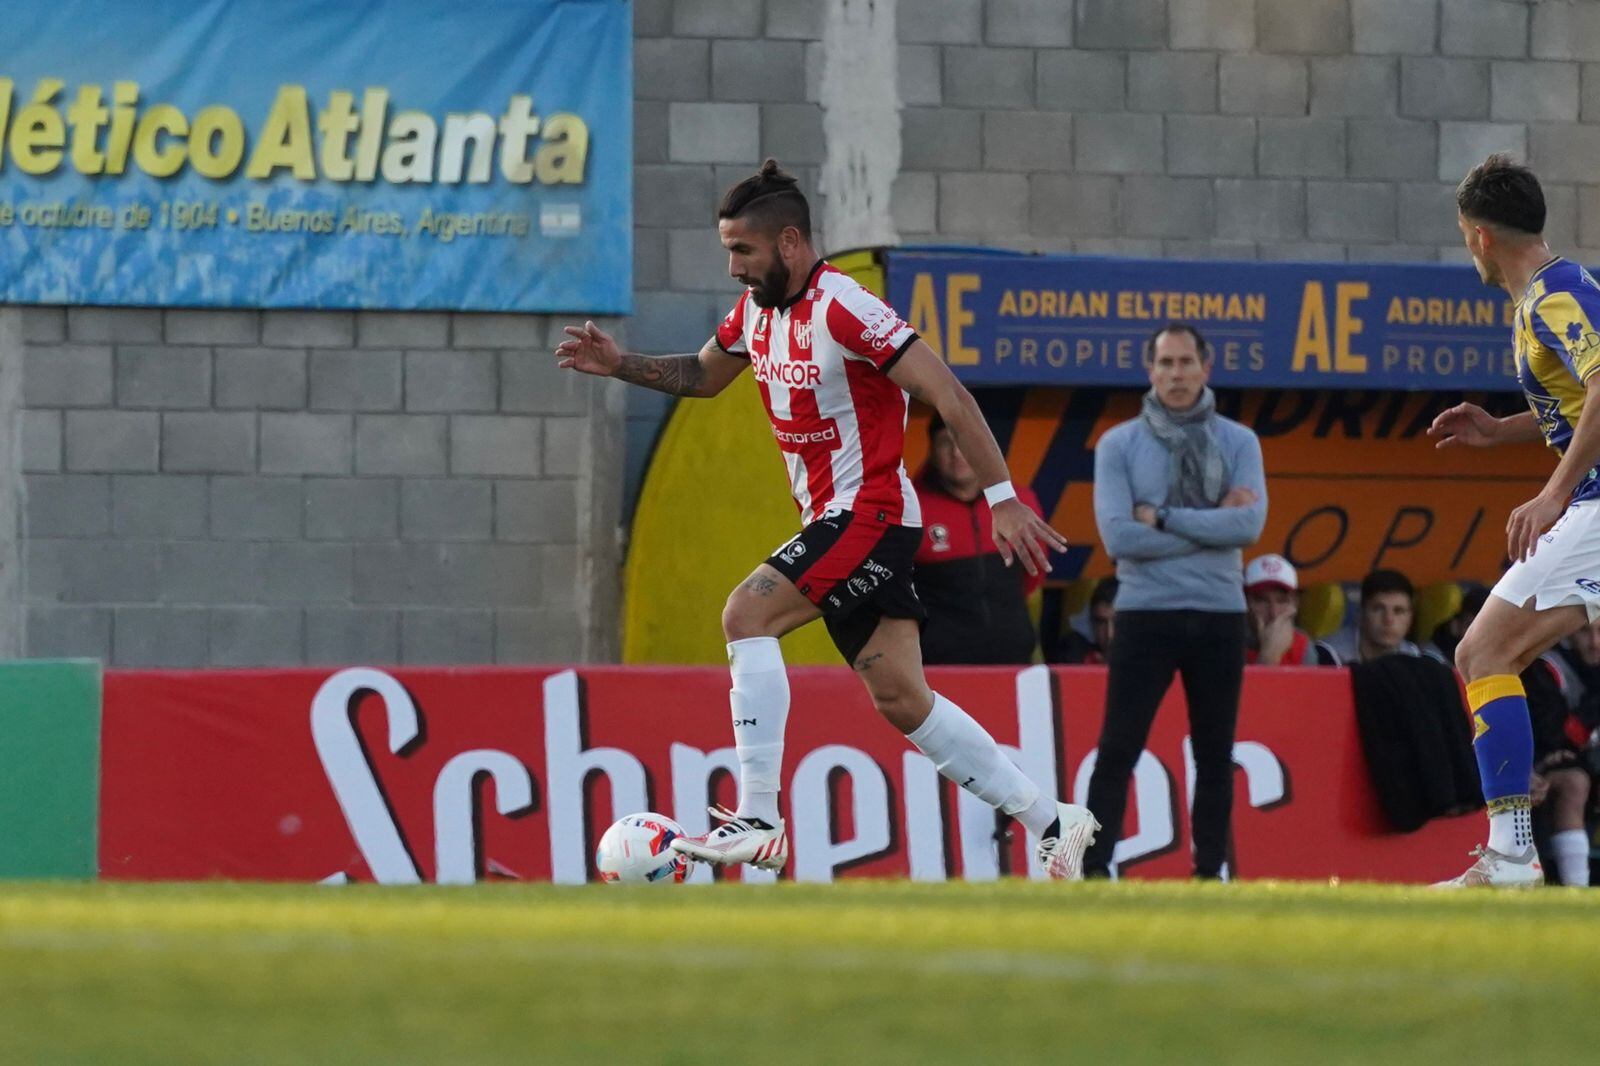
point(940, 537)
point(802, 336)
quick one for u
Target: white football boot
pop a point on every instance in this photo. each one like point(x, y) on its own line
point(1062, 855)
point(1495, 869)
point(738, 840)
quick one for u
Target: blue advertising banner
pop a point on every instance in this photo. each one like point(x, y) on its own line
point(1063, 320)
point(297, 153)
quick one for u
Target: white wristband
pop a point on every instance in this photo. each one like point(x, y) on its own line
point(999, 493)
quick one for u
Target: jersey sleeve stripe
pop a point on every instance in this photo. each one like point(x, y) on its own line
point(888, 364)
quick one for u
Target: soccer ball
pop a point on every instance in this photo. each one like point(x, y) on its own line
point(638, 850)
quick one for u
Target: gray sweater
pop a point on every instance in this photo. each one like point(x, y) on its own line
point(1195, 563)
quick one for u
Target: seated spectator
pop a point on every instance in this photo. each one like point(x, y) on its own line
point(1271, 598)
point(1384, 616)
point(1561, 777)
point(977, 606)
point(1577, 660)
point(1073, 646)
point(1449, 632)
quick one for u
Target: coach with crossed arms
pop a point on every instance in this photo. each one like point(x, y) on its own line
point(1178, 492)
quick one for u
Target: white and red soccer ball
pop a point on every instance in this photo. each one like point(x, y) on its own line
point(638, 850)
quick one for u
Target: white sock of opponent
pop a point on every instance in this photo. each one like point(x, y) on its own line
point(965, 753)
point(760, 701)
point(1572, 855)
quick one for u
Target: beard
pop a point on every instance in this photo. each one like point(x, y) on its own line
point(770, 289)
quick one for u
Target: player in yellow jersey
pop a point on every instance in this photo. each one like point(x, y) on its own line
point(1553, 541)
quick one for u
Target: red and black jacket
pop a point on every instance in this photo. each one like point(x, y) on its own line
point(977, 606)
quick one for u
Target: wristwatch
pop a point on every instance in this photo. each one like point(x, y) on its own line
point(1161, 518)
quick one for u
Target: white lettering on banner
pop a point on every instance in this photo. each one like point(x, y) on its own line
point(924, 818)
point(816, 854)
point(455, 831)
point(567, 765)
point(1264, 775)
point(1152, 807)
point(360, 797)
point(1035, 755)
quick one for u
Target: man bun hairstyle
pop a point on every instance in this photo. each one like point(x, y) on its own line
point(769, 199)
point(1502, 192)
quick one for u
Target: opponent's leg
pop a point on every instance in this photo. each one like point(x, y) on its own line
point(762, 609)
point(1501, 642)
point(1569, 795)
point(890, 665)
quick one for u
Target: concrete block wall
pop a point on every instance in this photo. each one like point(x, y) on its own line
point(1241, 129)
point(243, 488)
point(1271, 129)
point(1246, 129)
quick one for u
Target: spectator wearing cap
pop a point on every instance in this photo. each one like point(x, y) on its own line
point(1179, 492)
point(1271, 598)
point(977, 606)
point(1388, 604)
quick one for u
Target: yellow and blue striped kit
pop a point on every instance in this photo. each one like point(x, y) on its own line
point(1558, 350)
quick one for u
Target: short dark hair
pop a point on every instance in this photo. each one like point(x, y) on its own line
point(770, 199)
point(1105, 592)
point(1380, 581)
point(1176, 327)
point(1502, 191)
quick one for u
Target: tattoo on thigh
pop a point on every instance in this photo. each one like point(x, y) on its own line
point(761, 586)
point(866, 662)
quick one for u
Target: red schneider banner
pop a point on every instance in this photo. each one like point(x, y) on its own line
point(455, 775)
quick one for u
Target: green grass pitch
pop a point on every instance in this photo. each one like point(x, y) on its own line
point(852, 972)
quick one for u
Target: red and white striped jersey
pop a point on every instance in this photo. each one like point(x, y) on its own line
point(822, 361)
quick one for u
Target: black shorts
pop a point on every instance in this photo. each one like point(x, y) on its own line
point(857, 569)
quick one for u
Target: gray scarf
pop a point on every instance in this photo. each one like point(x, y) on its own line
point(1197, 473)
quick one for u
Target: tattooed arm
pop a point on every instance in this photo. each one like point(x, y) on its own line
point(590, 350)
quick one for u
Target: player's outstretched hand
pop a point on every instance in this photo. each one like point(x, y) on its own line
point(1465, 423)
point(1020, 533)
point(1528, 522)
point(589, 349)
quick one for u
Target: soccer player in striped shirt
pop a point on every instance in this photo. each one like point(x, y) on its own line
point(834, 365)
point(1553, 585)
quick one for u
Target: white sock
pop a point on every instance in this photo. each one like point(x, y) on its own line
point(965, 753)
point(760, 701)
point(1511, 825)
point(1572, 856)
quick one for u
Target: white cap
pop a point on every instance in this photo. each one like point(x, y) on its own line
point(1271, 570)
